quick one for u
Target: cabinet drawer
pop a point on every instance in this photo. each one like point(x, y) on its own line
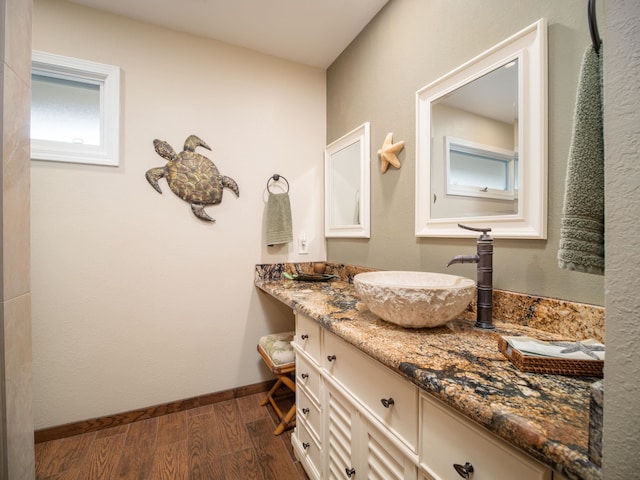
point(309, 410)
point(307, 336)
point(449, 438)
point(372, 383)
point(308, 375)
point(307, 450)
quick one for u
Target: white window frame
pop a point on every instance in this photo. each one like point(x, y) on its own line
point(506, 157)
point(107, 77)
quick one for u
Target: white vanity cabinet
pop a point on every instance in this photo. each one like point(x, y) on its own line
point(357, 419)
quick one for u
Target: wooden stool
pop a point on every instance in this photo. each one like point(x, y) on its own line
point(278, 354)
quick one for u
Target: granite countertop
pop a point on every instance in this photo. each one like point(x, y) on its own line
point(547, 416)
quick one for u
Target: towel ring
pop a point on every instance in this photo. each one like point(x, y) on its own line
point(276, 177)
point(593, 25)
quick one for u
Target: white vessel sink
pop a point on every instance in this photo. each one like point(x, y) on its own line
point(415, 299)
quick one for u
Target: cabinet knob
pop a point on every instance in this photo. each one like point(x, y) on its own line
point(465, 470)
point(304, 376)
point(387, 402)
point(306, 445)
point(331, 358)
point(305, 411)
point(350, 472)
point(304, 336)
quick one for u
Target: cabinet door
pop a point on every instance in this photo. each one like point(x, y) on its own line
point(450, 439)
point(340, 429)
point(381, 460)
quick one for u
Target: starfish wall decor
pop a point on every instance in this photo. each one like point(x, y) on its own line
point(388, 153)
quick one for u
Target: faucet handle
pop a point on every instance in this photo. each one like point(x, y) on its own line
point(475, 229)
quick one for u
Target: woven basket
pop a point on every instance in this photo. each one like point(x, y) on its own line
point(554, 366)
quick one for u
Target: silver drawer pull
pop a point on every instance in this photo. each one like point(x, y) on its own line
point(304, 336)
point(350, 472)
point(331, 358)
point(465, 470)
point(305, 445)
point(387, 402)
point(304, 376)
point(305, 411)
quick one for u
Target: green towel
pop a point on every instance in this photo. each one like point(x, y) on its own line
point(582, 228)
point(279, 225)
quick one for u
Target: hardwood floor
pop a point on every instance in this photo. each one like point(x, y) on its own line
point(227, 441)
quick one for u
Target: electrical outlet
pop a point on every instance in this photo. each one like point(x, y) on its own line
point(303, 244)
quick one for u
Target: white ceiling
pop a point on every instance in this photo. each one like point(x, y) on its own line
point(494, 95)
point(311, 32)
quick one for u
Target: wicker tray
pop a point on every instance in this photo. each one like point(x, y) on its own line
point(555, 366)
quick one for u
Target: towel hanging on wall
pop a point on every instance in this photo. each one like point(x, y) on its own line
point(279, 224)
point(582, 228)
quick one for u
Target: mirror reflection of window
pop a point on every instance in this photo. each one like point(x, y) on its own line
point(481, 172)
point(477, 170)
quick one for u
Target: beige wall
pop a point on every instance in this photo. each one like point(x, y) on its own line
point(407, 46)
point(135, 301)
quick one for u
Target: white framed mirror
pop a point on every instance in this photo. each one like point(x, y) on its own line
point(481, 153)
point(347, 172)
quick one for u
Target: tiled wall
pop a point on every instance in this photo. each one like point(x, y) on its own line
point(16, 432)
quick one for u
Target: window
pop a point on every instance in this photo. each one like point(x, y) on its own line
point(475, 170)
point(75, 110)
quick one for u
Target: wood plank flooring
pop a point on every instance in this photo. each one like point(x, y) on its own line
point(228, 440)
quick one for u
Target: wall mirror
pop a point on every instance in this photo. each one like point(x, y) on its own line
point(347, 185)
point(481, 131)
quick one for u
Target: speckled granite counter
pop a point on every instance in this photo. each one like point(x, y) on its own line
point(546, 416)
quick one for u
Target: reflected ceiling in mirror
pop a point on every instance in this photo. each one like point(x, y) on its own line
point(482, 145)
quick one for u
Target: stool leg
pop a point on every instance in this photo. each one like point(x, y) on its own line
point(284, 423)
point(288, 420)
point(271, 392)
point(290, 384)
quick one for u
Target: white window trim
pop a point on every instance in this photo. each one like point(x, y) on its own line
point(488, 151)
point(83, 71)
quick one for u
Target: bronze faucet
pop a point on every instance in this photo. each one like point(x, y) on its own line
point(484, 284)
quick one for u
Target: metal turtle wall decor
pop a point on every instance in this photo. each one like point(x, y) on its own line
point(191, 176)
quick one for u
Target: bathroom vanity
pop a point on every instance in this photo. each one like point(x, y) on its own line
point(379, 401)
